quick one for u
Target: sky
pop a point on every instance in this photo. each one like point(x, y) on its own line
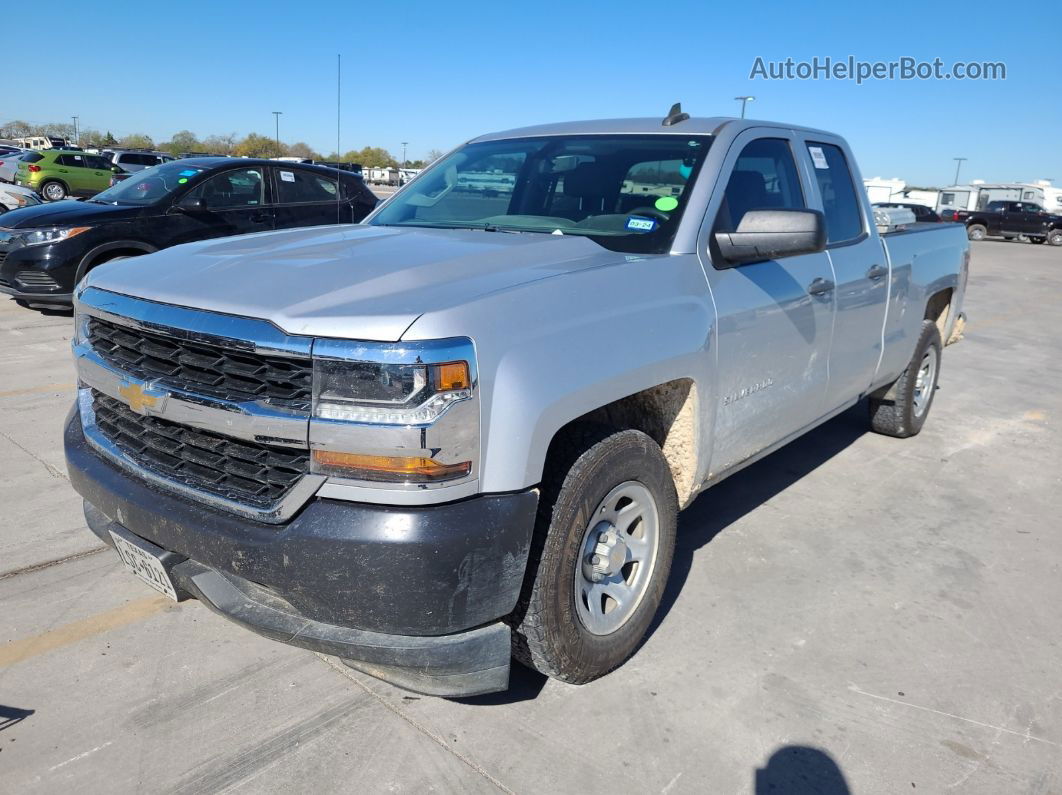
point(436, 74)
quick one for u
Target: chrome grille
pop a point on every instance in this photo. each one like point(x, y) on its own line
point(248, 472)
point(204, 368)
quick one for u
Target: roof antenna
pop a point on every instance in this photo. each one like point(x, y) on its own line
point(675, 115)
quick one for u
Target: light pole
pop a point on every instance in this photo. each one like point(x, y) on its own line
point(958, 165)
point(744, 101)
point(77, 137)
point(404, 145)
point(276, 116)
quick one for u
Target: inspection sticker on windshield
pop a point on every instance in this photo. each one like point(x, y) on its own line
point(636, 223)
point(189, 172)
point(287, 176)
point(817, 157)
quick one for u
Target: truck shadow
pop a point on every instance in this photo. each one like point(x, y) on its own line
point(743, 492)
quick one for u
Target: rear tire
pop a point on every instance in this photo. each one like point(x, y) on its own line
point(913, 392)
point(976, 232)
point(600, 557)
point(53, 190)
point(1055, 237)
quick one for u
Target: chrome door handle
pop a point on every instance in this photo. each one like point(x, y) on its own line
point(820, 286)
point(877, 272)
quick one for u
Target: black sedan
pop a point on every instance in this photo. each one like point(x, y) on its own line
point(45, 250)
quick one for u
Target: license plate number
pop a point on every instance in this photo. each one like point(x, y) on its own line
point(145, 565)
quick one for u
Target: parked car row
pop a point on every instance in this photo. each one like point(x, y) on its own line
point(45, 250)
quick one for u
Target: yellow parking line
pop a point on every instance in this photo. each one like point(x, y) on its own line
point(32, 390)
point(19, 650)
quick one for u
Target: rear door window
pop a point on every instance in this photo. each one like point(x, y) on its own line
point(72, 161)
point(302, 187)
point(840, 203)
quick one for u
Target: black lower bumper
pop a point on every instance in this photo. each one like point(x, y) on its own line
point(413, 595)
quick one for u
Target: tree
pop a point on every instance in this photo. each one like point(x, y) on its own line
point(300, 149)
point(220, 144)
point(109, 140)
point(16, 129)
point(137, 141)
point(255, 145)
point(371, 157)
point(92, 139)
point(433, 155)
point(183, 141)
point(416, 164)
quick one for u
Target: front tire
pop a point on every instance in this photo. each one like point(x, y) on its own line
point(601, 554)
point(905, 414)
point(53, 190)
point(976, 232)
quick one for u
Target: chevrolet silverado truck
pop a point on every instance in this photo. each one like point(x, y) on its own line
point(1013, 220)
point(462, 431)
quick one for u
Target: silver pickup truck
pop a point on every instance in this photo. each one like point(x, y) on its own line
point(463, 430)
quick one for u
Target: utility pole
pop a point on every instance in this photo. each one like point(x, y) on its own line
point(744, 101)
point(958, 165)
point(276, 115)
point(77, 136)
point(404, 145)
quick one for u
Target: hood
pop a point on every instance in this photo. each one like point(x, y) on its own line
point(358, 282)
point(67, 213)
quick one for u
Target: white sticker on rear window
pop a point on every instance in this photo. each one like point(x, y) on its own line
point(287, 176)
point(817, 157)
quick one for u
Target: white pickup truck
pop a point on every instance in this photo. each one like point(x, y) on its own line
point(463, 429)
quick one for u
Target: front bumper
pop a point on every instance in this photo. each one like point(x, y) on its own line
point(41, 274)
point(412, 595)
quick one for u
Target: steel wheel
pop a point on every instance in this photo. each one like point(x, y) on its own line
point(925, 382)
point(618, 553)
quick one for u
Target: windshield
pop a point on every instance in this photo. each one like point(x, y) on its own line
point(148, 186)
point(627, 192)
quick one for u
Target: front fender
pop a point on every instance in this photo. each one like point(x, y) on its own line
point(554, 350)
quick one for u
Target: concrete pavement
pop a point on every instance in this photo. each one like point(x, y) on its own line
point(853, 611)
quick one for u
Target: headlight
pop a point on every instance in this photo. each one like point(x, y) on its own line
point(34, 237)
point(394, 412)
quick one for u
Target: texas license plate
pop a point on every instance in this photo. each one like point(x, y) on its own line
point(145, 564)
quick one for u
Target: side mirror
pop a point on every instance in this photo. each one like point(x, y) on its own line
point(116, 170)
point(192, 205)
point(772, 234)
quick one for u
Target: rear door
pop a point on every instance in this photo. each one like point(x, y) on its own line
point(306, 198)
point(73, 170)
point(238, 201)
point(858, 261)
point(773, 340)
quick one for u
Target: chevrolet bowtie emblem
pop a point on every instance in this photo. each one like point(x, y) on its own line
point(142, 398)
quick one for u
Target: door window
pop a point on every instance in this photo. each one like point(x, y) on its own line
point(302, 187)
point(242, 188)
point(840, 205)
point(71, 161)
point(764, 178)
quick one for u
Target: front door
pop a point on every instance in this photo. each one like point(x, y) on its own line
point(859, 266)
point(775, 318)
point(237, 202)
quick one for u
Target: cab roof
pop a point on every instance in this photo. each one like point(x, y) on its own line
point(697, 125)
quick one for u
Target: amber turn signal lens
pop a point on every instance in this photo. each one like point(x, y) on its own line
point(451, 376)
point(411, 469)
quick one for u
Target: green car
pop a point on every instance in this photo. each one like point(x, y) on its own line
point(58, 173)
